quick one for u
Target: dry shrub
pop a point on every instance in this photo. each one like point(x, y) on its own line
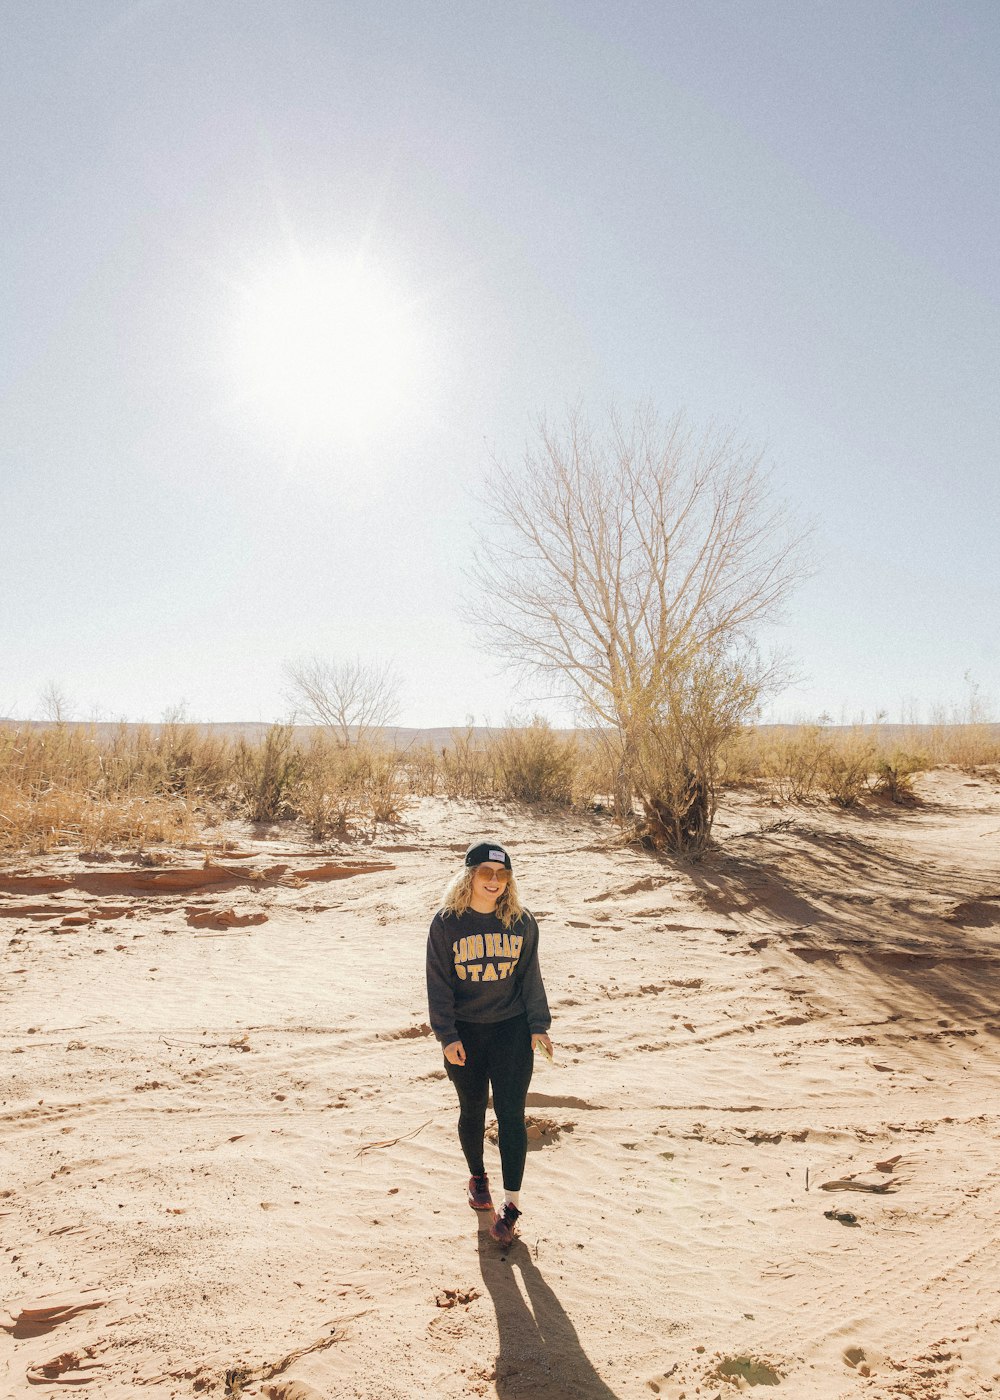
point(421, 770)
point(845, 767)
point(521, 763)
point(266, 775)
point(340, 790)
point(967, 746)
point(801, 762)
point(675, 756)
point(966, 736)
point(532, 763)
point(805, 761)
point(599, 773)
point(742, 759)
point(322, 799)
point(86, 786)
point(894, 777)
point(466, 766)
point(91, 786)
point(173, 757)
point(795, 761)
point(385, 785)
point(678, 811)
point(194, 763)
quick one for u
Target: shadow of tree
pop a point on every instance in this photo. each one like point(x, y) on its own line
point(918, 936)
point(540, 1356)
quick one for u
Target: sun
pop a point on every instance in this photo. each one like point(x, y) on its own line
point(323, 348)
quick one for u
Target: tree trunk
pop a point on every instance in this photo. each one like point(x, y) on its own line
point(679, 822)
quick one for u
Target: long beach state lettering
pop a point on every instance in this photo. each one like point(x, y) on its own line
point(486, 957)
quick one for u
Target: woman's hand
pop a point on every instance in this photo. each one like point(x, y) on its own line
point(541, 1042)
point(455, 1053)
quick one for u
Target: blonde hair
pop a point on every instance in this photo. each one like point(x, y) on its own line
point(458, 896)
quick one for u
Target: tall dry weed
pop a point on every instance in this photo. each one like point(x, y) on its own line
point(384, 785)
point(342, 791)
point(62, 786)
point(966, 735)
point(742, 759)
point(466, 766)
point(421, 770)
point(795, 760)
point(266, 775)
point(322, 800)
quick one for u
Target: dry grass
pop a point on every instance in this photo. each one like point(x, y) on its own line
point(68, 785)
point(62, 787)
point(802, 763)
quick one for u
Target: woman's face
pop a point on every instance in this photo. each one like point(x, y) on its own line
point(488, 883)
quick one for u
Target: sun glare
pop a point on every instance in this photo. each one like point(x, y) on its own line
point(323, 349)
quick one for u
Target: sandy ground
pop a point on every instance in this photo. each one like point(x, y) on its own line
point(229, 1146)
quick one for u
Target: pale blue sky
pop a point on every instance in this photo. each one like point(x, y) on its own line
point(781, 214)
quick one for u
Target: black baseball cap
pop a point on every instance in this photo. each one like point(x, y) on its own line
point(484, 851)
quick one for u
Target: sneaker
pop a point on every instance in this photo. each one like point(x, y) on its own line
point(479, 1193)
point(502, 1229)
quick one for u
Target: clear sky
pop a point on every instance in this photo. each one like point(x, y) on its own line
point(781, 214)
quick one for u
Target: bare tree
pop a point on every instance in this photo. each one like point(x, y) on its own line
point(351, 698)
point(56, 704)
point(631, 570)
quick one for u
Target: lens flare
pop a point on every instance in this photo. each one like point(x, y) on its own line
point(322, 348)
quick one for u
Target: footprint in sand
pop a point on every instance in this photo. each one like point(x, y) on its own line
point(407, 1033)
point(546, 1129)
point(747, 1368)
point(865, 1361)
point(857, 1359)
point(541, 1131)
point(291, 1390)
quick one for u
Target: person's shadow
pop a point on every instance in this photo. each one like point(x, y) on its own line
point(540, 1356)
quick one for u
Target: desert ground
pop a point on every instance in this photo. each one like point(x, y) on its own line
point(229, 1161)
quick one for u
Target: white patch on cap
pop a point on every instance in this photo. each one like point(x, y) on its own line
point(498, 855)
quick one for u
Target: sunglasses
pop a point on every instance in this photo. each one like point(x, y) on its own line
point(488, 873)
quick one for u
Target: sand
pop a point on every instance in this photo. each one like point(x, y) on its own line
point(229, 1161)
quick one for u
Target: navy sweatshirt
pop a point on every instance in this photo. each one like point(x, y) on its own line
point(479, 971)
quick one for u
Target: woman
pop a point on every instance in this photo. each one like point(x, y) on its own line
point(489, 1011)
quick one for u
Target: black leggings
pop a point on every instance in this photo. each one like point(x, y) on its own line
point(498, 1054)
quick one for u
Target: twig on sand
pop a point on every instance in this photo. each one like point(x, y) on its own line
point(237, 1043)
point(391, 1142)
point(337, 1334)
point(848, 1183)
point(239, 1377)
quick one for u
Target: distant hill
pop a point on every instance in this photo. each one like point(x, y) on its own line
point(402, 737)
point(399, 737)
